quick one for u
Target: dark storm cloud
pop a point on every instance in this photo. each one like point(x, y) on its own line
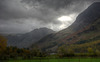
point(12, 9)
point(50, 9)
point(17, 16)
point(56, 4)
point(61, 4)
point(9, 9)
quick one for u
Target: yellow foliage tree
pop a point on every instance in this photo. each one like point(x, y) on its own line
point(3, 44)
point(97, 52)
point(90, 50)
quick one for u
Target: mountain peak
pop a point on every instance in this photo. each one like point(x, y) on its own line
point(95, 5)
point(87, 17)
point(25, 40)
point(42, 29)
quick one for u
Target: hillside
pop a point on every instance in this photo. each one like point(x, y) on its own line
point(25, 40)
point(85, 27)
point(88, 37)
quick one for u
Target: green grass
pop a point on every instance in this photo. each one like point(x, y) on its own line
point(59, 60)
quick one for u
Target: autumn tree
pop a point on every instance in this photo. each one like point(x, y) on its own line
point(90, 51)
point(26, 53)
point(70, 52)
point(36, 52)
point(97, 52)
point(3, 45)
point(62, 52)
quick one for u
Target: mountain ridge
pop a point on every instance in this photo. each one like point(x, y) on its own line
point(83, 22)
point(25, 40)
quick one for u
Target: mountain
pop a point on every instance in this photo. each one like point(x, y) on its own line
point(85, 27)
point(25, 40)
point(89, 37)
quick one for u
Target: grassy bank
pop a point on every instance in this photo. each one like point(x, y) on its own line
point(59, 60)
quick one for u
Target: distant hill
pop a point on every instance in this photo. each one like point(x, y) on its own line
point(85, 29)
point(27, 39)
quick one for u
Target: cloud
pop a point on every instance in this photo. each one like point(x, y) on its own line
point(20, 16)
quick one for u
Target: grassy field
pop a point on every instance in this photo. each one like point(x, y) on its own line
point(59, 60)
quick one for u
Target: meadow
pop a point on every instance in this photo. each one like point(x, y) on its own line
point(59, 60)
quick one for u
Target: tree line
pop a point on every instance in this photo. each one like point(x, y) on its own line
point(23, 53)
point(15, 53)
point(64, 51)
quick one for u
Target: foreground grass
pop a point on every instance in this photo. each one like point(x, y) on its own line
point(59, 60)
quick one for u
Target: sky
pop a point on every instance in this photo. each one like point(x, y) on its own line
point(21, 16)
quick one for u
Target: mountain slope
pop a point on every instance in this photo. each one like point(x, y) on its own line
point(25, 40)
point(88, 37)
point(83, 22)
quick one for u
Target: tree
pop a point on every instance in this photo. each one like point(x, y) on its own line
point(97, 52)
point(90, 51)
point(62, 52)
point(70, 52)
point(3, 45)
point(36, 52)
point(26, 54)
